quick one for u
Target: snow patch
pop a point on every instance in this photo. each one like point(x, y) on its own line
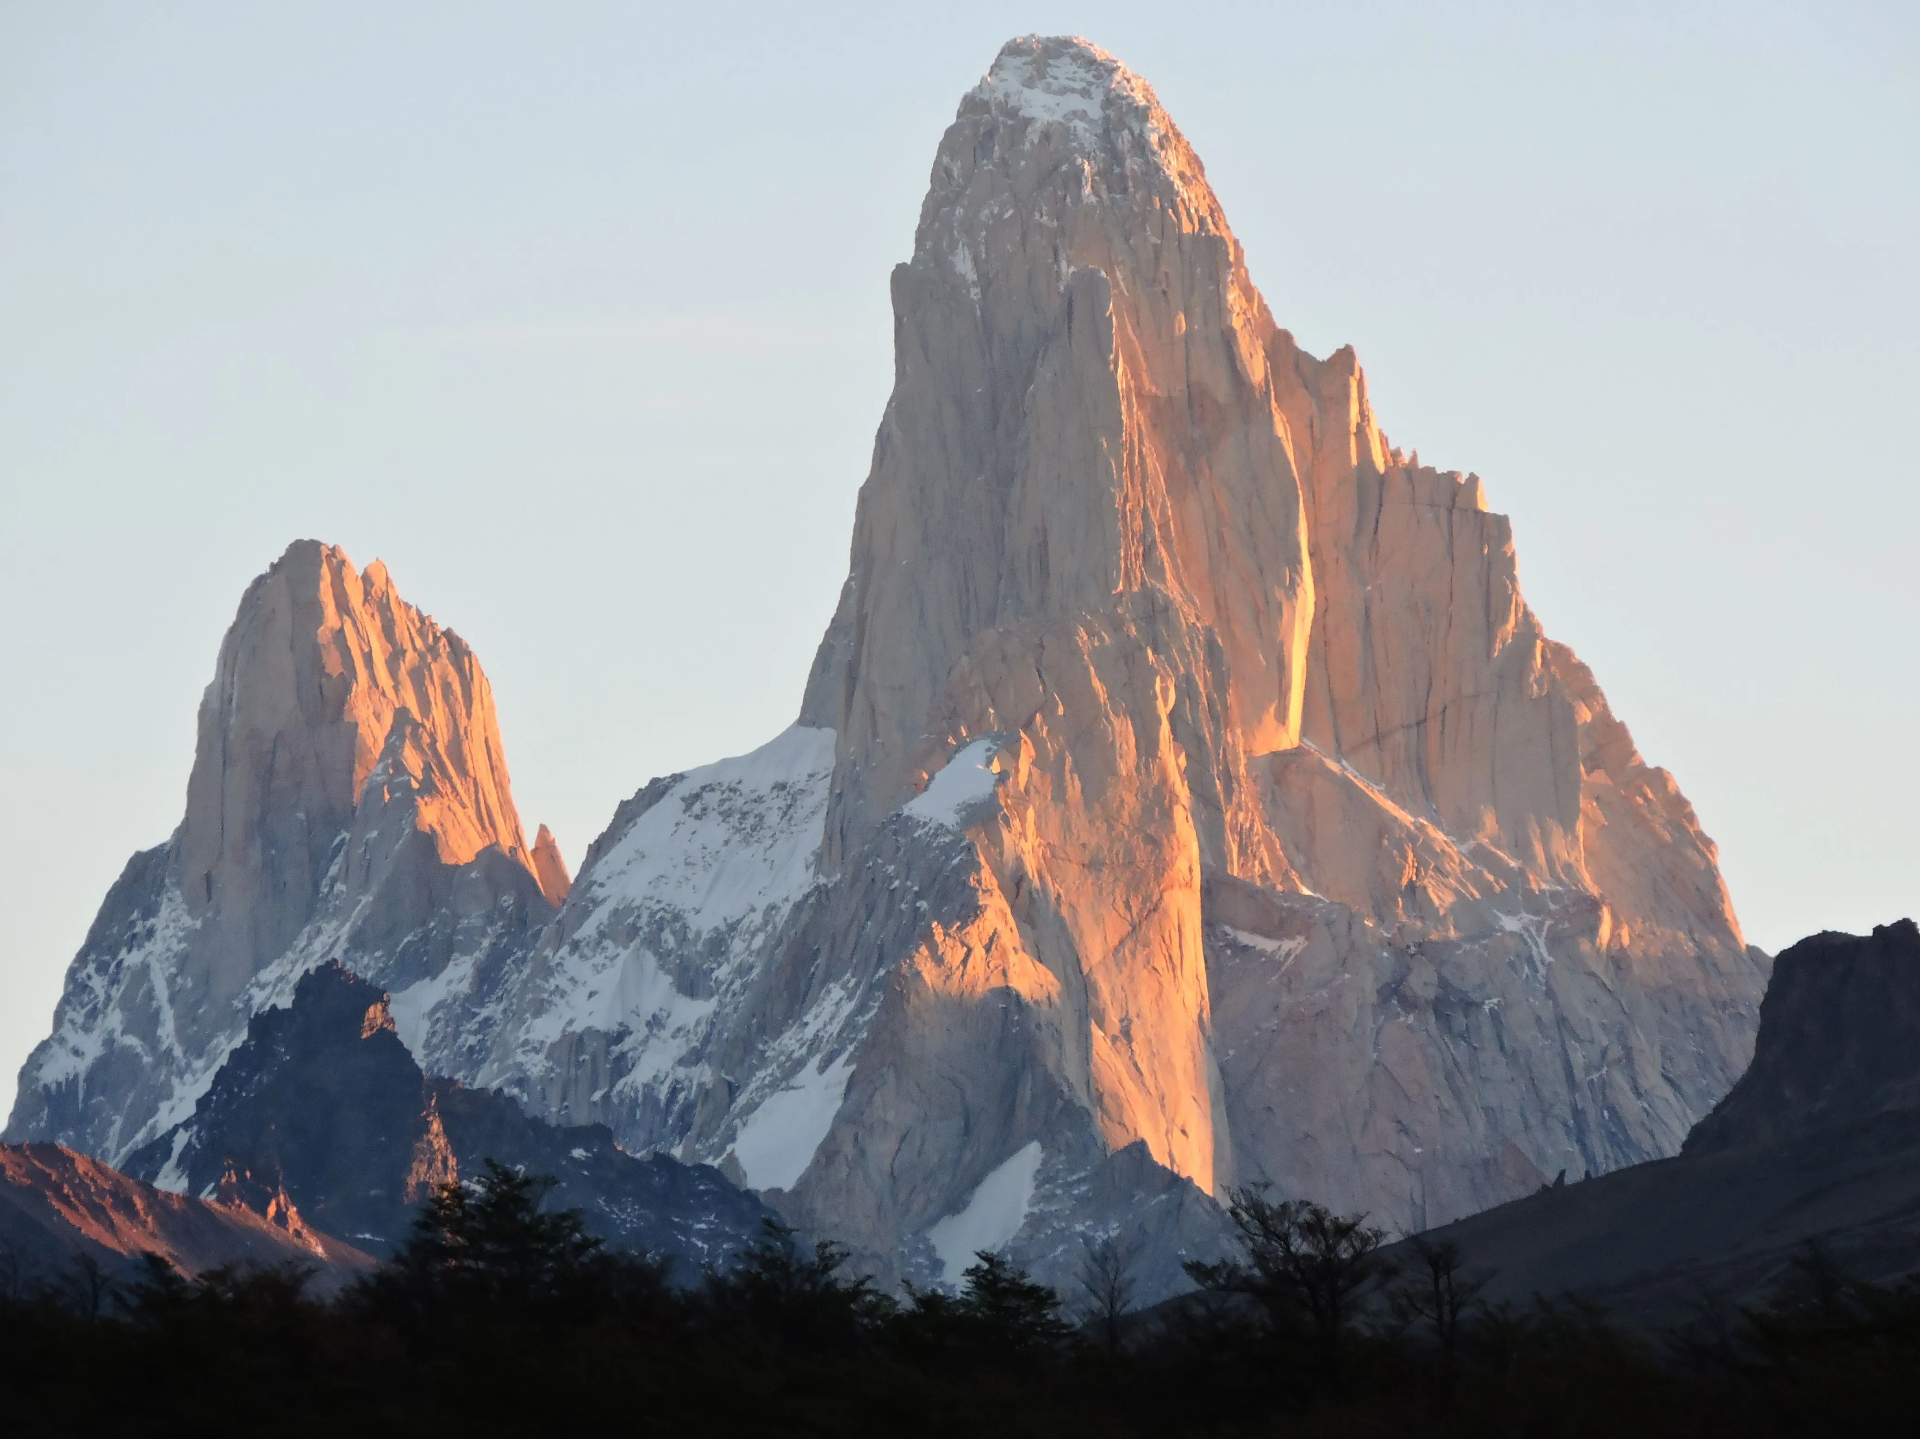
point(1065, 81)
point(968, 778)
point(92, 1019)
point(412, 1008)
point(1064, 89)
point(1283, 950)
point(612, 989)
point(992, 1217)
point(1533, 929)
point(779, 1139)
point(727, 850)
point(964, 267)
point(171, 1176)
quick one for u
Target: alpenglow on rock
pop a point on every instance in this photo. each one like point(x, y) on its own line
point(349, 800)
point(1182, 796)
point(1182, 788)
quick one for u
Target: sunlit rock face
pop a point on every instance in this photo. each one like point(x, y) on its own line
point(56, 1206)
point(349, 799)
point(1183, 791)
point(550, 868)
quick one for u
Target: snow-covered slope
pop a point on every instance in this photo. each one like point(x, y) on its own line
point(665, 962)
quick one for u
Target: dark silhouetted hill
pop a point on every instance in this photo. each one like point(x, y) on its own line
point(324, 1102)
point(1818, 1143)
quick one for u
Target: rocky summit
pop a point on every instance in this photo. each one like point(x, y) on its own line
point(1183, 796)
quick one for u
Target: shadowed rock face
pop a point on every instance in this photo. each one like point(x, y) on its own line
point(55, 1204)
point(323, 1106)
point(1839, 1041)
point(348, 797)
point(1819, 1141)
point(1182, 775)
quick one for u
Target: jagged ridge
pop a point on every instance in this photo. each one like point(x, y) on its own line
point(56, 1205)
point(323, 1107)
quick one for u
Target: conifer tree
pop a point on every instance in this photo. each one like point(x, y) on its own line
point(493, 1243)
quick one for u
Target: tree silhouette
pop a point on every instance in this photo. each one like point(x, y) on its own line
point(795, 1298)
point(493, 1243)
point(158, 1294)
point(1305, 1266)
point(1000, 1310)
point(86, 1286)
point(16, 1274)
point(1439, 1297)
point(1012, 1310)
point(1106, 1275)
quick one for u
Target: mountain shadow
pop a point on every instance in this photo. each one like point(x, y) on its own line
point(323, 1104)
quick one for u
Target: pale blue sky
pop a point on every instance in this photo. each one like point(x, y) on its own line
point(577, 316)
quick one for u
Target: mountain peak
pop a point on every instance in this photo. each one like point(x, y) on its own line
point(1058, 122)
point(348, 777)
point(1065, 79)
point(1241, 657)
point(322, 1122)
point(328, 681)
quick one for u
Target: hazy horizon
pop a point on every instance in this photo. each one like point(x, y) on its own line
point(579, 321)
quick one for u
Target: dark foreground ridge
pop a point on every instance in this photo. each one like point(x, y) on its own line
point(1819, 1143)
point(499, 1316)
point(1762, 1282)
point(1837, 1042)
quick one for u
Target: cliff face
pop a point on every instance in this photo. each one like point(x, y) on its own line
point(1839, 1041)
point(348, 797)
point(1182, 780)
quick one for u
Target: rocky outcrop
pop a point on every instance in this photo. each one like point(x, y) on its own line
point(1818, 1143)
point(348, 798)
point(1839, 1041)
point(549, 868)
point(1182, 777)
point(56, 1205)
point(323, 1112)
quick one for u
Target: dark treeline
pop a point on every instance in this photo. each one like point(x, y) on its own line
point(498, 1317)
